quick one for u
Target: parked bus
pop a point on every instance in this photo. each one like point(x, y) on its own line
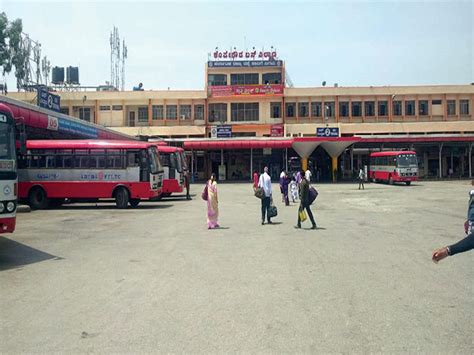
point(394, 166)
point(8, 172)
point(89, 170)
point(173, 179)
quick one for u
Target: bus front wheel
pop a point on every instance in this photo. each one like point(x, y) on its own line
point(37, 199)
point(122, 198)
point(390, 180)
point(134, 202)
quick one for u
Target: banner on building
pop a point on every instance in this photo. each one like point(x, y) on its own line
point(246, 90)
point(48, 100)
point(224, 131)
point(327, 132)
point(245, 63)
point(277, 130)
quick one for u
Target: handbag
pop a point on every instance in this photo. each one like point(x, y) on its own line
point(312, 194)
point(204, 194)
point(259, 193)
point(302, 215)
point(272, 211)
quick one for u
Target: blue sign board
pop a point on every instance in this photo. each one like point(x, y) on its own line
point(244, 63)
point(224, 131)
point(73, 127)
point(327, 132)
point(48, 100)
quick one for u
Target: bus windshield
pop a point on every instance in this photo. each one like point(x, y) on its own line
point(155, 164)
point(184, 162)
point(176, 162)
point(407, 160)
point(7, 147)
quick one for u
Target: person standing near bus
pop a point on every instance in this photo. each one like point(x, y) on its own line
point(305, 204)
point(255, 180)
point(361, 178)
point(212, 203)
point(265, 182)
point(187, 179)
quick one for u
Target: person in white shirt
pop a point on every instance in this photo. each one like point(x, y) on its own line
point(265, 182)
point(307, 175)
point(361, 178)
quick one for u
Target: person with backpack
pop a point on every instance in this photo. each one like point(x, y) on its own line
point(306, 201)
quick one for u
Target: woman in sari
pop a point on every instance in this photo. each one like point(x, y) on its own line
point(212, 203)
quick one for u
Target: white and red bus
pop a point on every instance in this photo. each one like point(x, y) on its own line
point(173, 180)
point(394, 166)
point(8, 171)
point(89, 170)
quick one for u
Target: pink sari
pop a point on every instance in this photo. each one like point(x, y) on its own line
point(212, 205)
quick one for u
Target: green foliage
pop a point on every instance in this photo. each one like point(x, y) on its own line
point(4, 51)
point(12, 51)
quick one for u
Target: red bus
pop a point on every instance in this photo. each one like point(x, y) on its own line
point(394, 166)
point(89, 170)
point(8, 171)
point(173, 180)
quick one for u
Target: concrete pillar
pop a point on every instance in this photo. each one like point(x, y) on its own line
point(251, 164)
point(439, 161)
point(334, 167)
point(286, 160)
point(222, 156)
point(425, 164)
point(352, 160)
point(470, 160)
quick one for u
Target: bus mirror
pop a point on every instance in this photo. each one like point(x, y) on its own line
point(23, 143)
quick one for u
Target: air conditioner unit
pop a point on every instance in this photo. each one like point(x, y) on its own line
point(183, 117)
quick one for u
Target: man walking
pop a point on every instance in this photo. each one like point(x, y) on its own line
point(361, 178)
point(305, 204)
point(265, 182)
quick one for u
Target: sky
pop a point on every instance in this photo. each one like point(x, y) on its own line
point(352, 43)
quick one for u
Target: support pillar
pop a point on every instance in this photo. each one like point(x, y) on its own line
point(251, 164)
point(439, 161)
point(286, 160)
point(470, 160)
point(304, 164)
point(192, 165)
point(222, 156)
point(334, 168)
point(352, 160)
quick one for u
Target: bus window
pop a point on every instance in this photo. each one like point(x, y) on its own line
point(133, 159)
point(114, 159)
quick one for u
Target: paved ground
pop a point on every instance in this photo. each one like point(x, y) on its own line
point(154, 279)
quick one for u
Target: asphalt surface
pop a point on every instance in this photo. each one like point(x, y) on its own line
point(87, 278)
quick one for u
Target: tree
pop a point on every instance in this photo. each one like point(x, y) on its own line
point(5, 63)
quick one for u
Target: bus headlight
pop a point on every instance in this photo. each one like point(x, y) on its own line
point(2, 207)
point(10, 206)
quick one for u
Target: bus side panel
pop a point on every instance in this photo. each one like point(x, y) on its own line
point(81, 189)
point(171, 185)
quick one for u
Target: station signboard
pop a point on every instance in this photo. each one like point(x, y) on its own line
point(277, 130)
point(327, 132)
point(48, 100)
point(246, 90)
point(224, 131)
point(245, 63)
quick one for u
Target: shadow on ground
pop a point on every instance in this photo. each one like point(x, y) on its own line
point(14, 254)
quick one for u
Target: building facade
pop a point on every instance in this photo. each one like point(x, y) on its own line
point(251, 98)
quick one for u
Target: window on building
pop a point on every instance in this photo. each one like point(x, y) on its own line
point(198, 112)
point(423, 107)
point(329, 109)
point(344, 109)
point(397, 108)
point(316, 109)
point(217, 112)
point(143, 114)
point(356, 108)
point(65, 110)
point(244, 79)
point(290, 108)
point(85, 114)
point(171, 112)
point(451, 107)
point(464, 107)
point(216, 79)
point(244, 111)
point(117, 108)
point(104, 108)
point(369, 108)
point(436, 102)
point(271, 78)
point(383, 108)
point(185, 112)
point(410, 108)
point(275, 109)
point(303, 109)
point(157, 112)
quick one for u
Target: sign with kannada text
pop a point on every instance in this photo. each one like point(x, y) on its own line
point(74, 127)
point(244, 63)
point(327, 132)
point(224, 131)
point(48, 100)
point(246, 90)
point(277, 130)
point(252, 55)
